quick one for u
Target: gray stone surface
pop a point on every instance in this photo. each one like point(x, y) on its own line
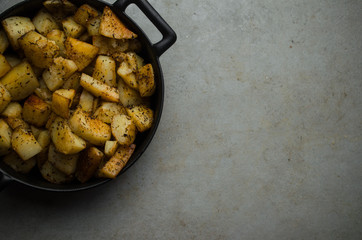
point(261, 134)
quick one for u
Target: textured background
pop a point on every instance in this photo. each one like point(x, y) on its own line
point(260, 138)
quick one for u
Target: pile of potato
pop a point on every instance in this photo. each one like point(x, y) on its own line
point(73, 92)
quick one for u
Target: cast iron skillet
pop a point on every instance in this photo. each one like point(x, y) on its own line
point(151, 53)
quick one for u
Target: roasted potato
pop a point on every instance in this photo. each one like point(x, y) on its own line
point(15, 122)
point(64, 163)
point(53, 175)
point(44, 138)
point(4, 65)
point(59, 38)
point(110, 148)
point(4, 41)
point(114, 165)
point(44, 22)
point(142, 116)
point(5, 97)
point(5, 138)
point(15, 27)
point(13, 110)
point(84, 14)
point(72, 28)
point(127, 95)
point(24, 143)
point(92, 130)
point(18, 164)
point(36, 111)
point(88, 164)
point(99, 89)
point(61, 101)
point(81, 53)
point(93, 26)
point(39, 50)
point(86, 101)
point(123, 129)
point(107, 110)
point(105, 70)
point(146, 81)
point(73, 82)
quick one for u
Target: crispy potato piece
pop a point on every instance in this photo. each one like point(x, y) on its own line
point(4, 41)
point(39, 50)
point(110, 148)
point(73, 82)
point(15, 27)
point(59, 38)
point(36, 111)
point(72, 28)
point(59, 72)
point(53, 175)
point(86, 101)
point(105, 70)
point(107, 110)
point(24, 143)
point(146, 81)
point(4, 65)
point(5, 138)
point(13, 110)
point(81, 53)
point(64, 163)
point(84, 14)
point(44, 138)
point(5, 97)
point(19, 165)
point(64, 139)
point(92, 130)
point(142, 116)
point(99, 89)
point(60, 6)
point(114, 165)
point(16, 122)
point(44, 22)
point(127, 95)
point(110, 46)
point(62, 100)
point(123, 129)
point(93, 26)
point(88, 164)
point(112, 27)
point(20, 81)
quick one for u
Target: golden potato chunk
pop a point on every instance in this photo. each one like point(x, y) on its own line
point(44, 138)
point(93, 26)
point(142, 116)
point(53, 175)
point(62, 100)
point(44, 22)
point(99, 89)
point(86, 101)
point(4, 65)
point(88, 164)
point(5, 97)
point(24, 143)
point(72, 28)
point(13, 110)
point(36, 111)
point(114, 165)
point(84, 14)
point(123, 129)
point(146, 81)
point(16, 122)
point(127, 95)
point(15, 27)
point(59, 38)
point(64, 163)
point(18, 164)
point(107, 110)
point(81, 53)
point(105, 70)
point(39, 50)
point(110, 148)
point(112, 27)
point(5, 138)
point(64, 139)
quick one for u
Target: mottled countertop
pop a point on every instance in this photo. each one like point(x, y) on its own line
point(260, 137)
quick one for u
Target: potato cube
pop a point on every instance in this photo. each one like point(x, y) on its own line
point(99, 89)
point(5, 97)
point(112, 27)
point(4, 41)
point(36, 111)
point(15, 27)
point(64, 163)
point(110, 46)
point(88, 164)
point(107, 110)
point(62, 100)
point(4, 65)
point(53, 175)
point(59, 72)
point(81, 53)
point(92, 130)
point(93, 26)
point(24, 143)
point(35, 131)
point(123, 129)
point(105, 70)
point(146, 81)
point(16, 122)
point(43, 91)
point(84, 14)
point(20, 81)
point(110, 148)
point(114, 165)
point(72, 28)
point(44, 138)
point(59, 38)
point(18, 164)
point(64, 139)
point(39, 50)
point(63, 6)
point(73, 82)
point(142, 116)
point(127, 95)
point(13, 110)
point(44, 22)
point(86, 101)
point(5, 138)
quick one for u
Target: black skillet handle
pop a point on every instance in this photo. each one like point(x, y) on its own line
point(4, 181)
point(168, 35)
